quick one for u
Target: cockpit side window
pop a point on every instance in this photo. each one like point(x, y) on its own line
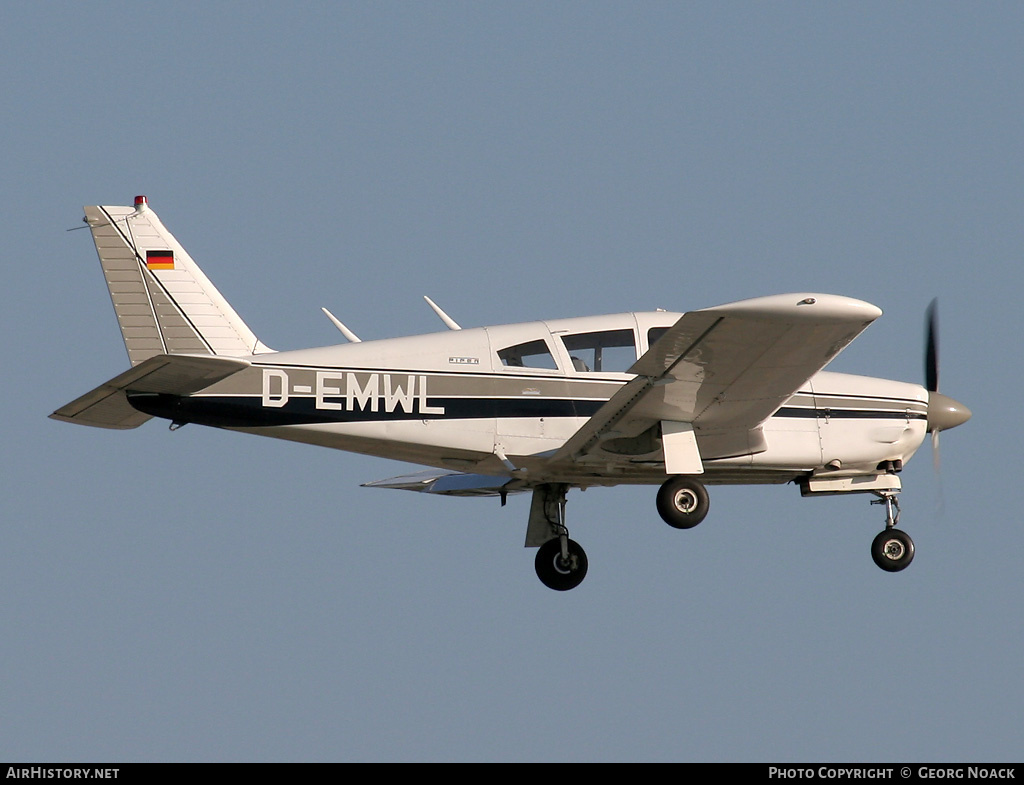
point(532, 354)
point(607, 350)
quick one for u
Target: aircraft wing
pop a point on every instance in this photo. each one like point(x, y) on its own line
point(717, 375)
point(180, 374)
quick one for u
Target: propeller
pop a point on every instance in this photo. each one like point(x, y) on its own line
point(943, 412)
point(931, 346)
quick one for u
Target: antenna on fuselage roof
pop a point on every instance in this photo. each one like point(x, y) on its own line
point(449, 321)
point(344, 330)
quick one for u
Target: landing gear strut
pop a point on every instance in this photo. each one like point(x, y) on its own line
point(561, 563)
point(892, 549)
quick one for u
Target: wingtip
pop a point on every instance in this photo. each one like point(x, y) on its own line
point(804, 305)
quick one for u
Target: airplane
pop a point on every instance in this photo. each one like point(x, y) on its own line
point(733, 394)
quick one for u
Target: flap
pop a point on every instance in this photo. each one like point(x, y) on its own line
point(449, 484)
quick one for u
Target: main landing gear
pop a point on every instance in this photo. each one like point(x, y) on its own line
point(683, 501)
point(561, 563)
point(892, 549)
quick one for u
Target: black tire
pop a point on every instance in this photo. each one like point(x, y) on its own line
point(892, 550)
point(683, 502)
point(556, 574)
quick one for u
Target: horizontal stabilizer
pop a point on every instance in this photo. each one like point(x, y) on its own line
point(107, 406)
point(448, 484)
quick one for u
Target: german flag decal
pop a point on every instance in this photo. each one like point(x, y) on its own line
point(160, 260)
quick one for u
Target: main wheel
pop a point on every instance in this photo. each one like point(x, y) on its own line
point(558, 573)
point(892, 550)
point(683, 502)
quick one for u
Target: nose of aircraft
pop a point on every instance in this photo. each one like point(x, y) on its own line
point(945, 413)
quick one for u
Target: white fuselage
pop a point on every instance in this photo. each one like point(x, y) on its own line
point(462, 399)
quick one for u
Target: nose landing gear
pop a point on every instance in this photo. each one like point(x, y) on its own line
point(892, 549)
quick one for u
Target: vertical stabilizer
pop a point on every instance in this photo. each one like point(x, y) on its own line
point(163, 301)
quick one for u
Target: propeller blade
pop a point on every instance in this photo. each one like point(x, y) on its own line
point(931, 382)
point(931, 350)
point(943, 412)
point(940, 497)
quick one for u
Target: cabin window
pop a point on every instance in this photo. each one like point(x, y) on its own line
point(533, 354)
point(607, 350)
point(654, 334)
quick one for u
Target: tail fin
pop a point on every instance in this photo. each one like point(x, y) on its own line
point(164, 303)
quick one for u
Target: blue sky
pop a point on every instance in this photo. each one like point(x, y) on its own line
point(202, 595)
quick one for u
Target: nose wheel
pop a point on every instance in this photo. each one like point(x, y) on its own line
point(892, 549)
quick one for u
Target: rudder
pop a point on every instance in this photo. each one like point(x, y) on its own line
point(163, 301)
